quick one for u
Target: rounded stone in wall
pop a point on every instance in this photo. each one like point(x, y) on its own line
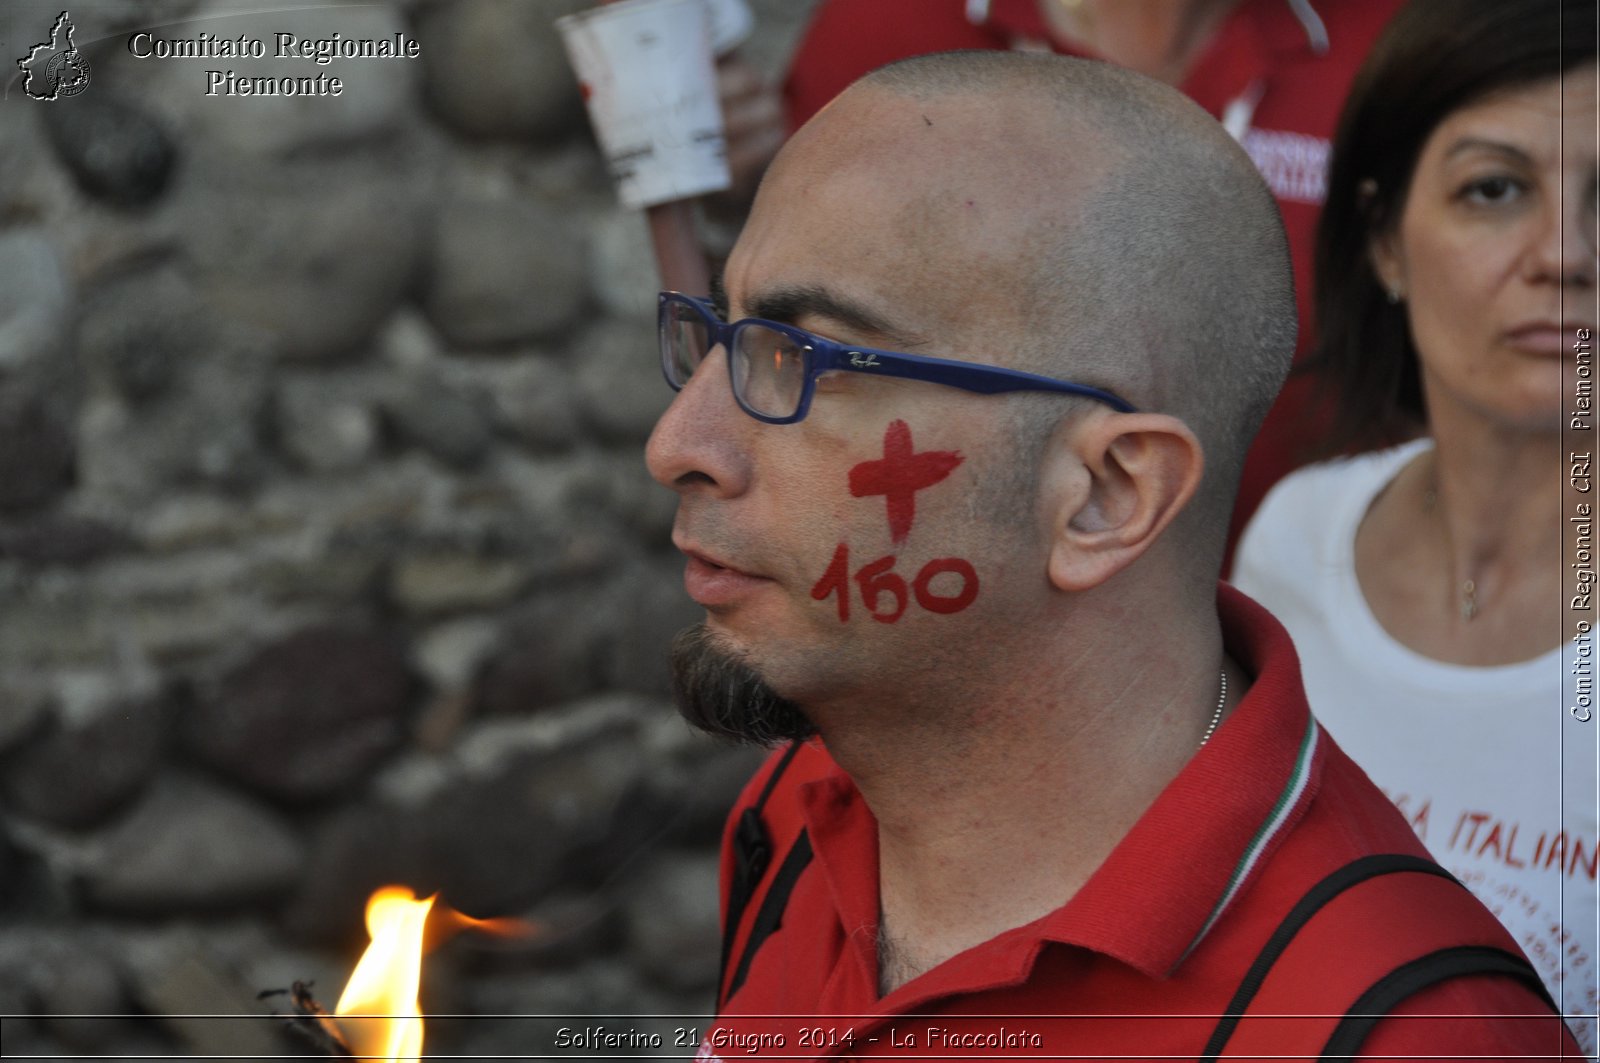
point(353, 852)
point(203, 427)
point(534, 402)
point(24, 713)
point(451, 421)
point(406, 341)
point(35, 886)
point(321, 429)
point(487, 849)
point(61, 539)
point(34, 299)
point(190, 93)
point(497, 843)
point(504, 271)
point(74, 983)
point(672, 920)
point(548, 654)
point(619, 380)
point(317, 273)
point(700, 780)
point(620, 482)
point(192, 846)
point(11, 886)
point(116, 152)
point(432, 582)
point(492, 838)
point(78, 773)
point(30, 180)
point(450, 653)
point(496, 68)
point(37, 453)
point(307, 716)
point(141, 330)
point(648, 607)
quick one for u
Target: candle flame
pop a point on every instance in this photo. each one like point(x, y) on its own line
point(379, 1013)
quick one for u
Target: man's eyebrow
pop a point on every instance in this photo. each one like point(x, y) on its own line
point(789, 306)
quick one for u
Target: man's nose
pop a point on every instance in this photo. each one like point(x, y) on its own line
point(702, 439)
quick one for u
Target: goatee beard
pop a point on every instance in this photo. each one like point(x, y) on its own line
point(720, 694)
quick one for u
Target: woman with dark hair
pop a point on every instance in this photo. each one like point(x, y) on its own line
point(1424, 583)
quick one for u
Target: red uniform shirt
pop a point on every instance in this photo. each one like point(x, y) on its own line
point(1147, 954)
point(1276, 73)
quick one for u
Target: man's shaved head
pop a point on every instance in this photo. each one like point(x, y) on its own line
point(1108, 230)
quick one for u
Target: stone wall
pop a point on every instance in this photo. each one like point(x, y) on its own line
point(327, 553)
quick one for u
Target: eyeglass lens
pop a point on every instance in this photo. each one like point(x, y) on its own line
point(769, 370)
point(768, 367)
point(686, 341)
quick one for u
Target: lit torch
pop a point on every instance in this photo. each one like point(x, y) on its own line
point(379, 1014)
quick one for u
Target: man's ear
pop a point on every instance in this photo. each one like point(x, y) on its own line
point(1134, 473)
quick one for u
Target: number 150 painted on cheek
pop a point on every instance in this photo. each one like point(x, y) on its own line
point(878, 581)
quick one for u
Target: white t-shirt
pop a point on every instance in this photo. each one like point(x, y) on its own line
point(1495, 775)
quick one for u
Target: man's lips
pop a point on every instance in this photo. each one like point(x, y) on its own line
point(713, 584)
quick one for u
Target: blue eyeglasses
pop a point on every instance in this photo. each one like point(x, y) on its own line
point(774, 367)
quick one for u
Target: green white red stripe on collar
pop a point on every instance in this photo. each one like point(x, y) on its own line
point(1282, 812)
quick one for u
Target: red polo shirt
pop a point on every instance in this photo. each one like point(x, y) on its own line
point(1146, 955)
point(1276, 73)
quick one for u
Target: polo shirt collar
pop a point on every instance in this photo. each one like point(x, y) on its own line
point(1170, 878)
point(1198, 845)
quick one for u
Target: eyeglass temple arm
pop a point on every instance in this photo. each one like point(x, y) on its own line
point(984, 380)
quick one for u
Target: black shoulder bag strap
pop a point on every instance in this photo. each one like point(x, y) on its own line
point(1400, 983)
point(1388, 991)
point(752, 853)
point(770, 915)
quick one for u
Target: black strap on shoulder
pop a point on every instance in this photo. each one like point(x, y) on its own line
point(770, 915)
point(1356, 871)
point(752, 854)
point(1400, 983)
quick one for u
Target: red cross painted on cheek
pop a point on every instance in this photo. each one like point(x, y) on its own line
point(899, 475)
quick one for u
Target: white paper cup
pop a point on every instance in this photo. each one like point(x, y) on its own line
point(645, 68)
point(731, 23)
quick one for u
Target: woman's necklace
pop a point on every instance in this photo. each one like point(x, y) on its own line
point(1467, 600)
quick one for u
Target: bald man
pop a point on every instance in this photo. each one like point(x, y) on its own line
point(955, 452)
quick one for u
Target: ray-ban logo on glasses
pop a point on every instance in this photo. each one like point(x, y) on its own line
point(863, 361)
point(55, 69)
